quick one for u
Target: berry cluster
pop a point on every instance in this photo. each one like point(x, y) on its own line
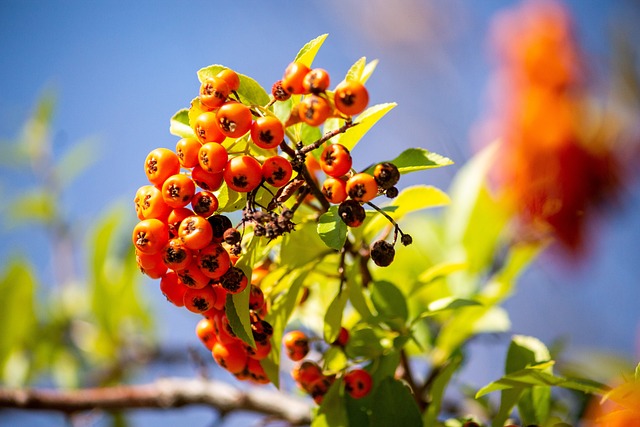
point(309, 375)
point(184, 239)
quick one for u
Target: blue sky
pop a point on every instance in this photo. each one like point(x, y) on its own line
point(121, 69)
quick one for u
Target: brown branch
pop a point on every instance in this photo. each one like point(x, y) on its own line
point(162, 394)
point(327, 136)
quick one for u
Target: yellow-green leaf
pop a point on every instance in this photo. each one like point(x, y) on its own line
point(365, 121)
point(307, 54)
point(179, 124)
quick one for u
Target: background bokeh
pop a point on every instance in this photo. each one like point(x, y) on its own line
point(121, 69)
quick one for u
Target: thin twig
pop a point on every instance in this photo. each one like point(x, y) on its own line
point(327, 136)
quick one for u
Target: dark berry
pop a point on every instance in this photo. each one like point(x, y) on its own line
point(386, 175)
point(406, 240)
point(231, 236)
point(352, 213)
point(391, 192)
point(382, 253)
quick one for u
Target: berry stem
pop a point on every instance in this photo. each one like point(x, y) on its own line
point(391, 220)
point(327, 136)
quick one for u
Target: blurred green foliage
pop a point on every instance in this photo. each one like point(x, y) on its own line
point(69, 323)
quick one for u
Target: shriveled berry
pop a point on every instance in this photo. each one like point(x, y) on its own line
point(352, 213)
point(382, 253)
point(234, 280)
point(231, 236)
point(256, 298)
point(386, 175)
point(278, 91)
point(219, 224)
point(406, 239)
point(392, 192)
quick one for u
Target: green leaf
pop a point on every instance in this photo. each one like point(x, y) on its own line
point(237, 310)
point(18, 287)
point(399, 408)
point(356, 292)
point(76, 160)
point(438, 388)
point(444, 304)
point(439, 270)
point(35, 205)
point(368, 71)
point(114, 279)
point(364, 342)
point(524, 351)
point(409, 200)
point(278, 316)
point(332, 411)
point(303, 247)
point(355, 72)
point(538, 375)
point(637, 372)
point(229, 200)
point(179, 124)
point(309, 134)
point(332, 229)
point(365, 121)
point(250, 91)
point(390, 303)
point(307, 54)
point(333, 316)
point(417, 159)
point(334, 360)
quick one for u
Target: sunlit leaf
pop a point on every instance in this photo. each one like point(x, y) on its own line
point(179, 124)
point(355, 72)
point(368, 71)
point(332, 229)
point(78, 158)
point(409, 200)
point(18, 285)
point(278, 316)
point(417, 159)
point(303, 247)
point(365, 121)
point(35, 205)
point(307, 54)
point(538, 375)
point(334, 359)
point(332, 411)
point(229, 200)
